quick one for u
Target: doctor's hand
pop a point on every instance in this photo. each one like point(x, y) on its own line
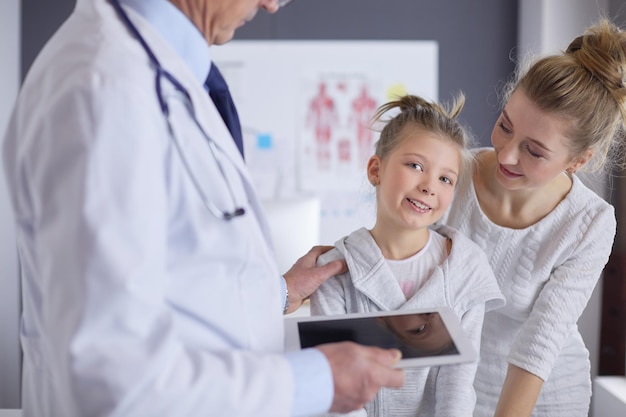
point(305, 276)
point(359, 372)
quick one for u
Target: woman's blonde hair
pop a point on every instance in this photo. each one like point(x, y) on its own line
point(584, 86)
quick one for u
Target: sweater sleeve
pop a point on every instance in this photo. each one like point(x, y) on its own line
point(473, 290)
point(455, 395)
point(564, 297)
point(471, 280)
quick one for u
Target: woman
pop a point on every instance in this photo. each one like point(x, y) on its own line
point(547, 236)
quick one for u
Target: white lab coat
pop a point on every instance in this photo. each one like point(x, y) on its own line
point(137, 301)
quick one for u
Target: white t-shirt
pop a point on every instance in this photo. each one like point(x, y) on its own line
point(415, 270)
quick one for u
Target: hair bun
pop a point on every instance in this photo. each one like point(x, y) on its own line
point(601, 51)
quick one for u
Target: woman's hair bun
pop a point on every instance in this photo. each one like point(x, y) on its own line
point(601, 50)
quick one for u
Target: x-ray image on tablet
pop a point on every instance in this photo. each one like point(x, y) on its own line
point(425, 337)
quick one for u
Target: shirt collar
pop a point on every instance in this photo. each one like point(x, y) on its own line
point(178, 31)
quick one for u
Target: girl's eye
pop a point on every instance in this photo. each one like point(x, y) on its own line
point(533, 153)
point(504, 128)
point(446, 180)
point(416, 166)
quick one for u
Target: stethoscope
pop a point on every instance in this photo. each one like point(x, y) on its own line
point(160, 74)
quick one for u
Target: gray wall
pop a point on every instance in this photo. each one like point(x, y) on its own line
point(40, 19)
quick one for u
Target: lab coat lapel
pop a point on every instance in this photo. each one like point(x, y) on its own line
point(209, 119)
point(212, 123)
point(205, 111)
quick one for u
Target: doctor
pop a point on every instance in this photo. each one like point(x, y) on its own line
point(149, 283)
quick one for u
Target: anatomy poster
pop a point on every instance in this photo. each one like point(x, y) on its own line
point(306, 109)
point(334, 133)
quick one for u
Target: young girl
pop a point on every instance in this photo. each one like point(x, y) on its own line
point(401, 263)
point(547, 235)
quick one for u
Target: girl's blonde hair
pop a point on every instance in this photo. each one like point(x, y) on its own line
point(431, 116)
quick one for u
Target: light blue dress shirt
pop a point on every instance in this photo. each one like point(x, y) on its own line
point(310, 367)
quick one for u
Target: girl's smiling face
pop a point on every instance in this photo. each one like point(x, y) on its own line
point(415, 182)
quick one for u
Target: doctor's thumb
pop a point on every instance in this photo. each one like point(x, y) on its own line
point(333, 268)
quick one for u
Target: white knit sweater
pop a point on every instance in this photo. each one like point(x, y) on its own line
point(547, 273)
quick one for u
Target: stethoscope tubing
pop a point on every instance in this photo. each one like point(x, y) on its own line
point(160, 73)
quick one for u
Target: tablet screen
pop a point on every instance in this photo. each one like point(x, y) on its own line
point(426, 337)
point(415, 335)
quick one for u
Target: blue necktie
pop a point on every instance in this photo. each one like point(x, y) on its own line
point(218, 90)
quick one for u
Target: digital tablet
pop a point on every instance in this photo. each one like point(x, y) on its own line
point(426, 337)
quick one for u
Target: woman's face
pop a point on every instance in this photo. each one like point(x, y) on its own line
point(530, 145)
